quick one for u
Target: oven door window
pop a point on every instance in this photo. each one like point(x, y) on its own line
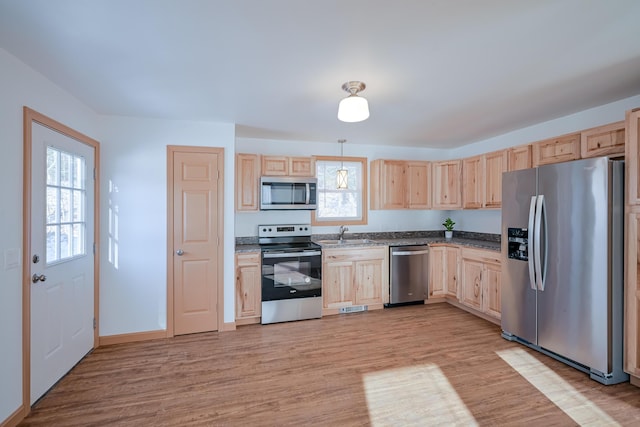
point(291, 277)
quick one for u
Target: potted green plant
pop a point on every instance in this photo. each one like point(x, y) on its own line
point(448, 226)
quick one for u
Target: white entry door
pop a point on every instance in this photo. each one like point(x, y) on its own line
point(62, 262)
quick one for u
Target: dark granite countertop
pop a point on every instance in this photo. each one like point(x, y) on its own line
point(461, 238)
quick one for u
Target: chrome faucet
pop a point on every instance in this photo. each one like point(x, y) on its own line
point(341, 232)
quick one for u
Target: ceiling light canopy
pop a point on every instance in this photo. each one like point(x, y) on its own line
point(353, 108)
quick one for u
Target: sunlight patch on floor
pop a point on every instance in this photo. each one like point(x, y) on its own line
point(414, 396)
point(562, 394)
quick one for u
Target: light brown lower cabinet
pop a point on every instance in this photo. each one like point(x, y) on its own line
point(354, 276)
point(481, 276)
point(248, 288)
point(444, 271)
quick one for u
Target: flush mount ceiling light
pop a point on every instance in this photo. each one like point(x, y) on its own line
point(342, 175)
point(353, 108)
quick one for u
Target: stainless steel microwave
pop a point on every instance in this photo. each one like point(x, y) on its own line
point(288, 193)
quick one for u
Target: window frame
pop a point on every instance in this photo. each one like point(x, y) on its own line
point(364, 163)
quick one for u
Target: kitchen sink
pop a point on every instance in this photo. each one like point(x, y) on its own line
point(345, 242)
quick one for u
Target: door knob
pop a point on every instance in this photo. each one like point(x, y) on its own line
point(41, 278)
point(179, 252)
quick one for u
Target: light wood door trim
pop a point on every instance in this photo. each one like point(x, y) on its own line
point(171, 150)
point(29, 118)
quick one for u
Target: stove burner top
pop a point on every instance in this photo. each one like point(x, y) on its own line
point(285, 236)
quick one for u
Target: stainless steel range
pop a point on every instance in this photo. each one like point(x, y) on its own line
point(291, 273)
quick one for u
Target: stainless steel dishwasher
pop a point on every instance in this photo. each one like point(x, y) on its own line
point(409, 274)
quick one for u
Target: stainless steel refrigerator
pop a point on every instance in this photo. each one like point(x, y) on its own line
point(562, 263)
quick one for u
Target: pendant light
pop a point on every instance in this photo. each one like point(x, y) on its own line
point(342, 175)
point(353, 108)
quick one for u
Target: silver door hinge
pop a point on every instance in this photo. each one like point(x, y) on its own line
point(94, 174)
point(95, 324)
point(94, 248)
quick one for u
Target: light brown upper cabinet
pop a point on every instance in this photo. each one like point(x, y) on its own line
point(632, 157)
point(520, 157)
point(247, 182)
point(555, 150)
point(605, 140)
point(447, 189)
point(482, 180)
point(288, 166)
point(418, 176)
point(400, 184)
point(473, 182)
point(494, 165)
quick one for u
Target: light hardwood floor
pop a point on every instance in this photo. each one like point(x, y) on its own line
point(415, 365)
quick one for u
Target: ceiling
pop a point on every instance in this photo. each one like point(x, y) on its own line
point(439, 73)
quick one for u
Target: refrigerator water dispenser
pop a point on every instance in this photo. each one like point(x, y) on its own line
point(518, 244)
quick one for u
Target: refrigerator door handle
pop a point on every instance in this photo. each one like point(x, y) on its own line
point(538, 243)
point(532, 212)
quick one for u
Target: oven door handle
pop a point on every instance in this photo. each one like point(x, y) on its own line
point(291, 254)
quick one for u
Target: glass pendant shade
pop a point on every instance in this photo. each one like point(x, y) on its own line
point(342, 179)
point(353, 109)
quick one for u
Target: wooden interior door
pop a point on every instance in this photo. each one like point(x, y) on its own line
point(197, 232)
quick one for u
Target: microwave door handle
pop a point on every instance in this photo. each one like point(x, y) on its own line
point(308, 193)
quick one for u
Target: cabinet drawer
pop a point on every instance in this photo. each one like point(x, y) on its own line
point(482, 255)
point(353, 254)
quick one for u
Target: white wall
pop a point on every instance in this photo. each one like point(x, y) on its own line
point(134, 186)
point(21, 86)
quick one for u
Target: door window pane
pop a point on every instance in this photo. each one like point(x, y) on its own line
point(66, 201)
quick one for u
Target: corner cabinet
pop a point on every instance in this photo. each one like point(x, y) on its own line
point(354, 276)
point(444, 271)
point(248, 288)
point(632, 247)
point(473, 182)
point(481, 280)
point(482, 180)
